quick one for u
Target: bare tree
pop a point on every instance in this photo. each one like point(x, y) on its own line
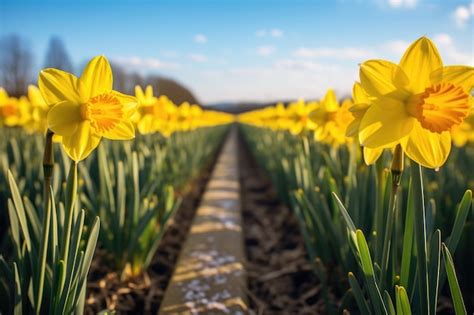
point(120, 78)
point(57, 56)
point(16, 63)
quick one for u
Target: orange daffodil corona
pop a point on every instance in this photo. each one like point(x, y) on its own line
point(415, 104)
point(85, 109)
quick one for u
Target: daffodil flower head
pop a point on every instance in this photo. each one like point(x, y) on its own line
point(39, 110)
point(13, 111)
point(299, 114)
point(331, 119)
point(85, 109)
point(415, 103)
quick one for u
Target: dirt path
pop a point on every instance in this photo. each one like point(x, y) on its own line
point(280, 278)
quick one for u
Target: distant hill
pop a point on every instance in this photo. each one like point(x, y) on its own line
point(174, 90)
point(125, 82)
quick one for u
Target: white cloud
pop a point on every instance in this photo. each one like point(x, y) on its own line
point(265, 50)
point(200, 38)
point(450, 52)
point(443, 39)
point(402, 3)
point(145, 63)
point(301, 65)
point(347, 53)
point(171, 54)
point(261, 33)
point(197, 58)
point(287, 79)
point(274, 32)
point(395, 47)
point(463, 14)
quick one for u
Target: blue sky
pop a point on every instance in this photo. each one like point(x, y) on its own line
point(248, 50)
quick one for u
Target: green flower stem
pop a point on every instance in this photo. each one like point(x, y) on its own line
point(71, 195)
point(420, 238)
point(396, 170)
point(48, 163)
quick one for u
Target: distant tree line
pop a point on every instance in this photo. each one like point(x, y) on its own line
point(17, 62)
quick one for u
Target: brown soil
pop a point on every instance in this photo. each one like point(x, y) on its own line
point(280, 278)
point(143, 294)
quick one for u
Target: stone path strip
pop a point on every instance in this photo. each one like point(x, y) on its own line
point(210, 276)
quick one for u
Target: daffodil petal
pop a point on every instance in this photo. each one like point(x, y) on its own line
point(382, 78)
point(427, 148)
point(96, 78)
point(418, 62)
point(146, 124)
point(149, 92)
point(3, 95)
point(64, 118)
point(330, 101)
point(384, 124)
point(139, 93)
point(358, 107)
point(124, 130)
point(129, 102)
point(353, 128)
point(82, 142)
point(358, 94)
point(459, 75)
point(57, 86)
point(372, 155)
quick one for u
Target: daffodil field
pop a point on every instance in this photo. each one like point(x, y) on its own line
point(380, 185)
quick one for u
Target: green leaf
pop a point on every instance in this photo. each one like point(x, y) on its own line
point(434, 267)
point(420, 238)
point(459, 307)
point(43, 251)
point(459, 222)
point(18, 304)
point(388, 301)
point(20, 210)
point(403, 303)
point(358, 295)
point(347, 218)
point(406, 273)
point(367, 268)
point(90, 248)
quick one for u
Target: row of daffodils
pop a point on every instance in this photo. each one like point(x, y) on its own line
point(68, 188)
point(81, 111)
point(392, 233)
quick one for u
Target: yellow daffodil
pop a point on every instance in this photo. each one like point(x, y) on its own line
point(331, 119)
point(361, 104)
point(85, 109)
point(9, 110)
point(415, 103)
point(39, 110)
point(145, 116)
point(463, 133)
point(299, 116)
point(281, 117)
